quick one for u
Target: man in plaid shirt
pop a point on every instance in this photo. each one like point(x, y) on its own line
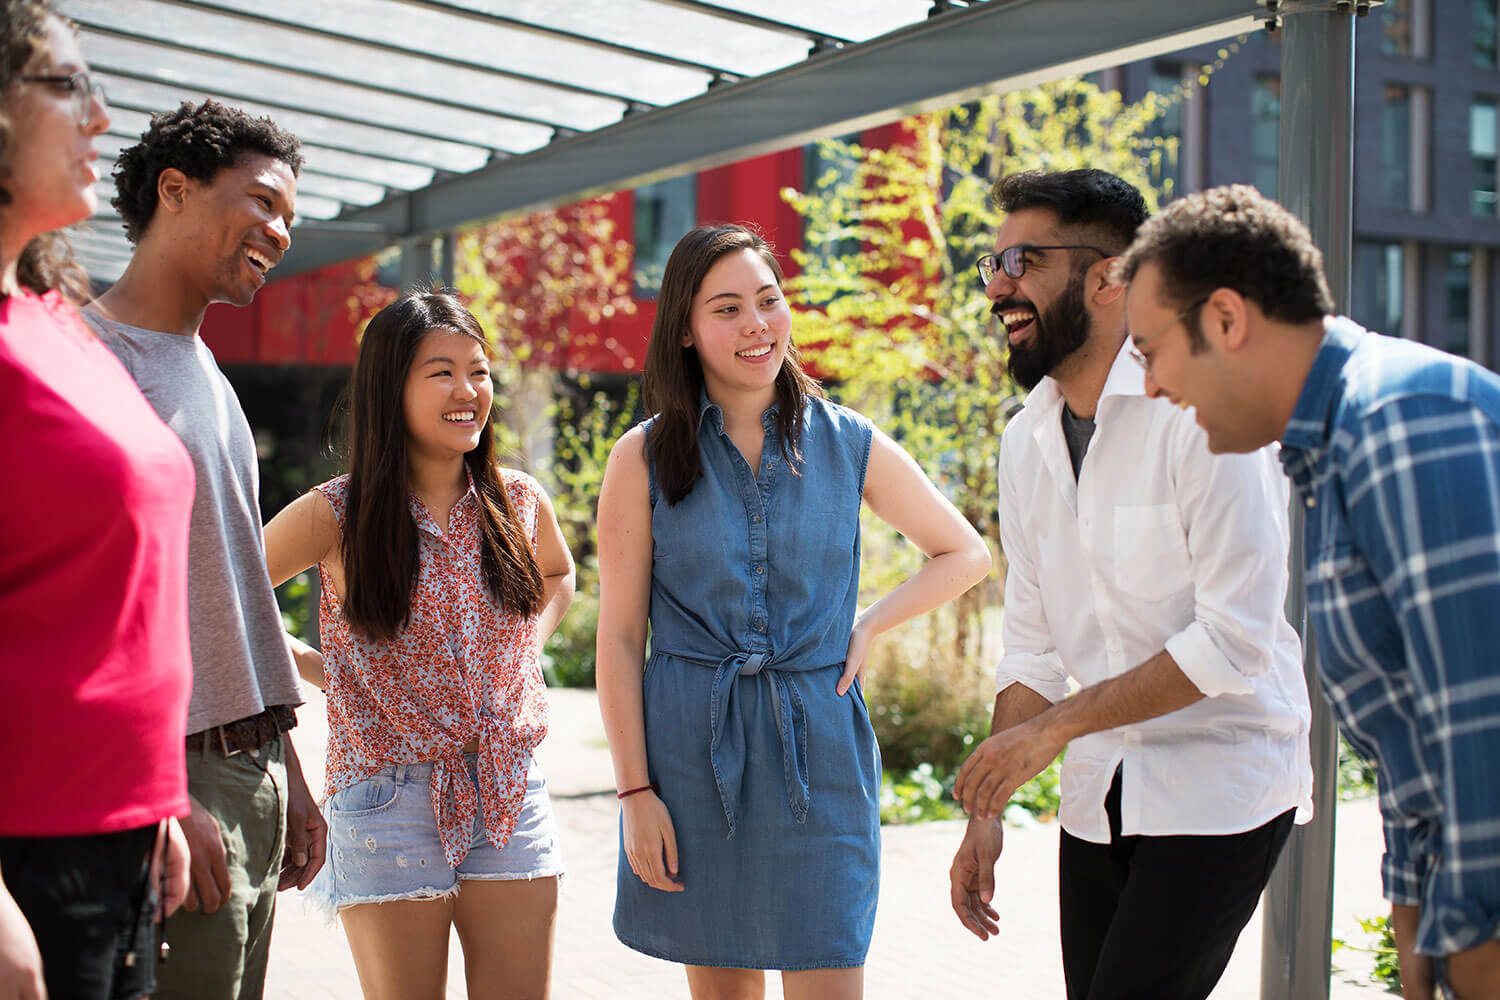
point(1394, 450)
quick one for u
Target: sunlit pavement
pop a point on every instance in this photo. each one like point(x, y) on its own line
point(919, 949)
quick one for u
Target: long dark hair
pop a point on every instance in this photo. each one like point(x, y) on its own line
point(380, 543)
point(673, 382)
point(47, 261)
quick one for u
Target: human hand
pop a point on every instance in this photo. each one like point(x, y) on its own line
point(1416, 969)
point(649, 837)
point(1003, 763)
point(169, 867)
point(972, 877)
point(306, 832)
point(20, 961)
point(1475, 974)
point(855, 659)
point(208, 865)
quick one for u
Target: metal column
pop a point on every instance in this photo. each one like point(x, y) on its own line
point(1316, 182)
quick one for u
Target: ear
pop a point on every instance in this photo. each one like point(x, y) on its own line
point(1225, 319)
point(1106, 290)
point(172, 190)
point(687, 338)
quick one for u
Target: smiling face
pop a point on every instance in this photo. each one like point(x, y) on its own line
point(1205, 376)
point(447, 396)
point(740, 325)
point(51, 168)
point(1044, 312)
point(235, 227)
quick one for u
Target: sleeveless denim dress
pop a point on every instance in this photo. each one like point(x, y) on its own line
point(772, 780)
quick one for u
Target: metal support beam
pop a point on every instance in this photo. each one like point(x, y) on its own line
point(416, 262)
point(1316, 182)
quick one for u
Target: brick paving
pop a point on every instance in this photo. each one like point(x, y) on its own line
point(919, 948)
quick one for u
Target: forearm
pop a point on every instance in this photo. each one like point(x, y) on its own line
point(1016, 704)
point(619, 670)
point(1152, 689)
point(557, 597)
point(940, 580)
point(309, 662)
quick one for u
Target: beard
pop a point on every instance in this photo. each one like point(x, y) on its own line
point(1060, 331)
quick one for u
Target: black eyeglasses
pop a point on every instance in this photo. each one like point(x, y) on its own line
point(1012, 260)
point(82, 86)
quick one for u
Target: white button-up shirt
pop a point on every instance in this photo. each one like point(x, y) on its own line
point(1157, 545)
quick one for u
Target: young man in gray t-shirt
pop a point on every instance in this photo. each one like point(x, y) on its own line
point(207, 197)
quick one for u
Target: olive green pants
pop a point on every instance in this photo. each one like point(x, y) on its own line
point(222, 955)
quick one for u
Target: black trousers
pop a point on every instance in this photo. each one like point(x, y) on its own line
point(1156, 918)
point(90, 907)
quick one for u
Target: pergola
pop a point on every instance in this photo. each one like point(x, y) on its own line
point(419, 116)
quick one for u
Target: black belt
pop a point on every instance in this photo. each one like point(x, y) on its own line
point(243, 735)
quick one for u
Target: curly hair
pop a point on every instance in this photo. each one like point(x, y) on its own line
point(198, 140)
point(46, 262)
point(1233, 237)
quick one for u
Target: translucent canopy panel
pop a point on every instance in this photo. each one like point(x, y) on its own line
point(495, 45)
point(852, 20)
point(686, 33)
point(126, 95)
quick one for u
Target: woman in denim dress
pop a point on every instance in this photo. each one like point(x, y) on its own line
point(729, 528)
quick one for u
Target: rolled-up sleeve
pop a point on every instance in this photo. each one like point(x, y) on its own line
point(1235, 507)
point(1030, 656)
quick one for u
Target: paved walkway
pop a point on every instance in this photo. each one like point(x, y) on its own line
point(919, 948)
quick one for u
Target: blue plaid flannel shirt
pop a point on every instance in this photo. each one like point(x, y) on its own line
point(1394, 448)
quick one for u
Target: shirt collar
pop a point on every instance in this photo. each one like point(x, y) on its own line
point(423, 516)
point(1308, 427)
point(707, 407)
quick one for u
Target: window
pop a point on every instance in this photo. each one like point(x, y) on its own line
point(1379, 275)
point(1166, 168)
point(664, 212)
point(1395, 146)
point(1396, 28)
point(1486, 32)
point(1265, 128)
point(1456, 284)
point(1482, 140)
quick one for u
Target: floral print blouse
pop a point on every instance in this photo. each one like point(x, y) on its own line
point(462, 669)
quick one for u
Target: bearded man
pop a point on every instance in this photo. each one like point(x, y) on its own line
point(1151, 575)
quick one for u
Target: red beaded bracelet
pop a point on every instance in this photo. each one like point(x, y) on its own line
point(652, 787)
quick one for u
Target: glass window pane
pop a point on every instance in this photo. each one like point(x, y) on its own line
point(1395, 24)
point(664, 212)
point(1482, 140)
point(1379, 276)
point(1395, 147)
point(1265, 130)
point(1456, 284)
point(1486, 32)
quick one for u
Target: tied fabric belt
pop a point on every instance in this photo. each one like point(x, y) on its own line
point(727, 750)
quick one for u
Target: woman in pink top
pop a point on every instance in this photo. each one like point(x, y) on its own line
point(94, 659)
point(442, 574)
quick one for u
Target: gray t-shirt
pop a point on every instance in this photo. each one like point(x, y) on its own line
point(1077, 431)
point(241, 664)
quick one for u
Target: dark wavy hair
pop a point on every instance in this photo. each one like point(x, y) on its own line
point(199, 140)
point(1097, 200)
point(46, 263)
point(380, 543)
point(673, 382)
point(1233, 237)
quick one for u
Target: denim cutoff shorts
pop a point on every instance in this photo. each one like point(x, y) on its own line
point(383, 840)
